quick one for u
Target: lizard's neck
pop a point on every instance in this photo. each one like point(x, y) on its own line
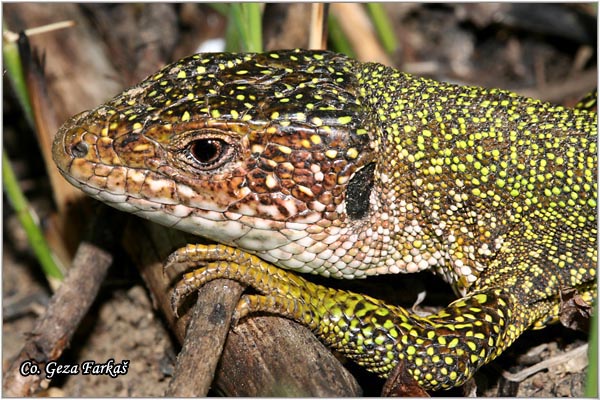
point(381, 226)
point(402, 230)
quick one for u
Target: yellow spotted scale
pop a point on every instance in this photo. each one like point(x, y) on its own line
point(309, 161)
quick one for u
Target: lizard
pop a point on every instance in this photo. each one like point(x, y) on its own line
point(298, 161)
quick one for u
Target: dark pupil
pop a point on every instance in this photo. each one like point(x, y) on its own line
point(207, 150)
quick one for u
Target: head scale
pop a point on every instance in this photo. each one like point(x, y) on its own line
point(230, 146)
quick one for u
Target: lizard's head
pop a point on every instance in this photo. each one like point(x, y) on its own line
point(251, 150)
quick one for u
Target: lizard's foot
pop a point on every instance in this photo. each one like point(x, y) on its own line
point(281, 292)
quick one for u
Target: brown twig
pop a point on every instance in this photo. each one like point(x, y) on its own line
point(401, 383)
point(577, 353)
point(45, 123)
point(206, 334)
point(66, 309)
point(317, 33)
point(576, 86)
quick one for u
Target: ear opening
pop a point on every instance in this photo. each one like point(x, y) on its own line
point(358, 192)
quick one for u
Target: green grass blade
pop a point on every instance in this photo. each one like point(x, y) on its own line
point(383, 26)
point(337, 39)
point(25, 216)
point(16, 77)
point(246, 19)
point(221, 8)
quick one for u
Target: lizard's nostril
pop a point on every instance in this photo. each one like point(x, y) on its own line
point(79, 149)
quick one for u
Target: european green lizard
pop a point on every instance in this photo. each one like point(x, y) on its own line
point(313, 162)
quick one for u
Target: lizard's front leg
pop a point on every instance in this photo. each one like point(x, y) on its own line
point(440, 351)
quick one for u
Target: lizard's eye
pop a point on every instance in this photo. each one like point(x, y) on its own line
point(210, 153)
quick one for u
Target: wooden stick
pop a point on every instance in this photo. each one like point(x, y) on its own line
point(68, 306)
